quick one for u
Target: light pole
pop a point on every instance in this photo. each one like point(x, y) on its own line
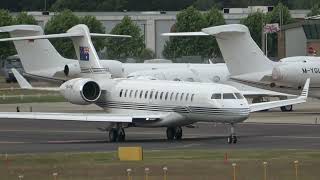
point(165, 173)
point(296, 166)
point(265, 170)
point(129, 175)
point(234, 171)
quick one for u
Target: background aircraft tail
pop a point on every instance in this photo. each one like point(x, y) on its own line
point(239, 50)
point(86, 53)
point(36, 55)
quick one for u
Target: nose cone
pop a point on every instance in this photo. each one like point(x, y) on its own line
point(238, 110)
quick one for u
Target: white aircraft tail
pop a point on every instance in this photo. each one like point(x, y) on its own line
point(85, 51)
point(239, 50)
point(241, 54)
point(36, 55)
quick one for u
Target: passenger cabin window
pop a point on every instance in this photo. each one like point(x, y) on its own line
point(121, 91)
point(239, 96)
point(166, 97)
point(151, 93)
point(177, 95)
point(187, 97)
point(125, 94)
point(141, 92)
point(216, 96)
point(131, 93)
point(161, 94)
point(171, 96)
point(192, 97)
point(181, 96)
point(135, 94)
point(228, 96)
point(156, 95)
point(146, 94)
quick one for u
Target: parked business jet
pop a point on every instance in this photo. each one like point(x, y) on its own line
point(248, 65)
point(60, 69)
point(145, 103)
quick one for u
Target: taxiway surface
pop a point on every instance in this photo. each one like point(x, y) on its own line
point(264, 130)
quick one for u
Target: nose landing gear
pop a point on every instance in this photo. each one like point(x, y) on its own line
point(232, 139)
point(117, 135)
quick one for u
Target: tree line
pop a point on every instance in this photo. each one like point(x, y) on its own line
point(144, 5)
point(188, 20)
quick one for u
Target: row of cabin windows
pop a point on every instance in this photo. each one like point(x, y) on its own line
point(156, 95)
point(227, 96)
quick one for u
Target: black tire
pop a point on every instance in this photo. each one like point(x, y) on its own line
point(170, 133)
point(8, 81)
point(234, 139)
point(286, 108)
point(178, 133)
point(121, 135)
point(113, 135)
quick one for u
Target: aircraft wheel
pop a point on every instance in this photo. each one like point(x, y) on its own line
point(170, 133)
point(113, 135)
point(121, 135)
point(286, 108)
point(178, 133)
point(234, 140)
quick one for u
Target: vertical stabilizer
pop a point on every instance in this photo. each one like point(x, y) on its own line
point(37, 56)
point(241, 54)
point(86, 52)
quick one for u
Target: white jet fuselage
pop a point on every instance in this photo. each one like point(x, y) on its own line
point(183, 103)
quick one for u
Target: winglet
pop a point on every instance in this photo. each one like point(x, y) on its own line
point(305, 91)
point(23, 83)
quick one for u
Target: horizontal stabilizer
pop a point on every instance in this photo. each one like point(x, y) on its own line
point(273, 104)
point(62, 35)
point(24, 84)
point(230, 28)
point(185, 34)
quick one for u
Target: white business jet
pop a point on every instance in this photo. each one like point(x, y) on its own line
point(248, 65)
point(33, 54)
point(144, 103)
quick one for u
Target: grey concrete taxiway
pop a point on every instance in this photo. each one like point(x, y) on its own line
point(264, 130)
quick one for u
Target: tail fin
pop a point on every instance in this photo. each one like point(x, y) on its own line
point(36, 56)
point(239, 50)
point(86, 52)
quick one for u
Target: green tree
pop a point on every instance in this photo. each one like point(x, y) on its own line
point(122, 48)
point(24, 18)
point(7, 48)
point(315, 10)
point(255, 23)
point(281, 15)
point(60, 23)
point(95, 26)
point(207, 4)
point(191, 20)
point(213, 18)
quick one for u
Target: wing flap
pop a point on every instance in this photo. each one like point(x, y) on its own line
point(85, 117)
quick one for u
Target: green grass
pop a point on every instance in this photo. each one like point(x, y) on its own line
point(182, 165)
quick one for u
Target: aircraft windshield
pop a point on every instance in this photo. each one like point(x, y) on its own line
point(239, 96)
point(228, 96)
point(216, 96)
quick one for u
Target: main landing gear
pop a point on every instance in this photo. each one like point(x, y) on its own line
point(232, 139)
point(174, 133)
point(117, 135)
point(286, 108)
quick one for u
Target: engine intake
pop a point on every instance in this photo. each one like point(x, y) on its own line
point(81, 91)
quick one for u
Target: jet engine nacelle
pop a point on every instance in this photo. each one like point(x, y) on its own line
point(81, 91)
point(72, 70)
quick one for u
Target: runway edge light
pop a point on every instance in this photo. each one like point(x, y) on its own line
point(130, 153)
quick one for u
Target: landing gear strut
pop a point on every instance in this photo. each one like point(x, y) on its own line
point(117, 135)
point(174, 133)
point(232, 139)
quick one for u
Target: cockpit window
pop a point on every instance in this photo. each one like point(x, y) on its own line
point(228, 96)
point(239, 96)
point(216, 96)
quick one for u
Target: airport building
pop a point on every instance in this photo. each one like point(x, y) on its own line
point(153, 24)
